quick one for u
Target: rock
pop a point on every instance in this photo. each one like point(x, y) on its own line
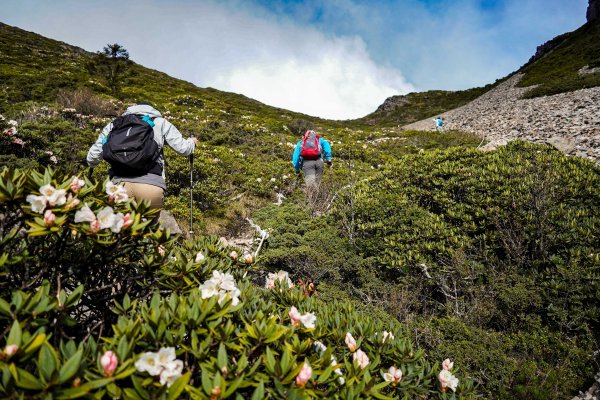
point(563, 120)
point(563, 144)
point(166, 220)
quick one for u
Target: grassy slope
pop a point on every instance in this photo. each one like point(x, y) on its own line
point(418, 106)
point(557, 71)
point(244, 141)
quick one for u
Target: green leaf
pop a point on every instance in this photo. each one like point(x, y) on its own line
point(26, 380)
point(123, 348)
point(177, 387)
point(14, 337)
point(47, 361)
point(74, 296)
point(222, 357)
point(4, 307)
point(259, 393)
point(34, 343)
point(71, 367)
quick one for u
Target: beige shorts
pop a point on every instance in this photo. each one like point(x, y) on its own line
point(143, 191)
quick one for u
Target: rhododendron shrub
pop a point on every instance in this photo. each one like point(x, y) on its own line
point(71, 231)
point(111, 307)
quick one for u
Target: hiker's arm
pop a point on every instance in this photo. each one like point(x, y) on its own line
point(326, 149)
point(175, 140)
point(296, 160)
point(94, 155)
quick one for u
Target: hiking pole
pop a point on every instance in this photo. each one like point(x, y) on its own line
point(191, 232)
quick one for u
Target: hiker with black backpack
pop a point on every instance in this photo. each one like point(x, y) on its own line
point(132, 144)
point(310, 155)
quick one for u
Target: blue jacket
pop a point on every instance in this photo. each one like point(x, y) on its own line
point(297, 159)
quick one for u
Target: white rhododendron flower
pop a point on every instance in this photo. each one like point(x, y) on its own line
point(221, 285)
point(55, 197)
point(118, 223)
point(209, 288)
point(393, 375)
point(387, 335)
point(166, 355)
point(38, 203)
point(350, 342)
point(447, 380)
point(171, 372)
point(121, 197)
point(85, 215)
point(281, 276)
point(163, 363)
point(13, 122)
point(106, 217)
point(320, 346)
point(308, 320)
point(149, 362)
point(118, 193)
point(47, 190)
point(199, 257)
point(58, 198)
point(361, 358)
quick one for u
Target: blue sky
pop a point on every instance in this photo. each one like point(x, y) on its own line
point(330, 58)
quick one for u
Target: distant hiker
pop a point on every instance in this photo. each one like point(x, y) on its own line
point(133, 146)
point(439, 124)
point(310, 155)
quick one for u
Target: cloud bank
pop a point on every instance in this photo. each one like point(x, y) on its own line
point(265, 57)
point(336, 59)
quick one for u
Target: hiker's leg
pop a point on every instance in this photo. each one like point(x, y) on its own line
point(143, 191)
point(310, 171)
point(319, 168)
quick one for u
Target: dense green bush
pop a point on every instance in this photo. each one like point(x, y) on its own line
point(506, 241)
point(107, 305)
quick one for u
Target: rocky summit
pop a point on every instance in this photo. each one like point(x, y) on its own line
point(593, 11)
point(569, 121)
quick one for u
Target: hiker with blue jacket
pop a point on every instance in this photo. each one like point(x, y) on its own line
point(133, 145)
point(439, 124)
point(310, 155)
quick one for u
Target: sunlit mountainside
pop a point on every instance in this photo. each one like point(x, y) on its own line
point(424, 268)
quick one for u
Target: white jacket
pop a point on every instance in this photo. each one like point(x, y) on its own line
point(164, 131)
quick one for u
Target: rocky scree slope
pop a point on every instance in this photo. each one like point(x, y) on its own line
point(569, 121)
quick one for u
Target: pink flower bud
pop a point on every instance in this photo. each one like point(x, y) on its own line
point(76, 184)
point(10, 349)
point(127, 221)
point(49, 218)
point(248, 258)
point(95, 226)
point(304, 375)
point(447, 364)
point(295, 316)
point(109, 363)
point(71, 202)
point(361, 358)
point(233, 255)
point(350, 342)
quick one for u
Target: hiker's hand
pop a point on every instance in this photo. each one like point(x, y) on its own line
point(195, 140)
point(329, 164)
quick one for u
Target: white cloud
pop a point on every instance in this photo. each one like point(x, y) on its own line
point(229, 47)
point(327, 77)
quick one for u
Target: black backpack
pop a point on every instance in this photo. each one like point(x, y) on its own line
point(130, 148)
